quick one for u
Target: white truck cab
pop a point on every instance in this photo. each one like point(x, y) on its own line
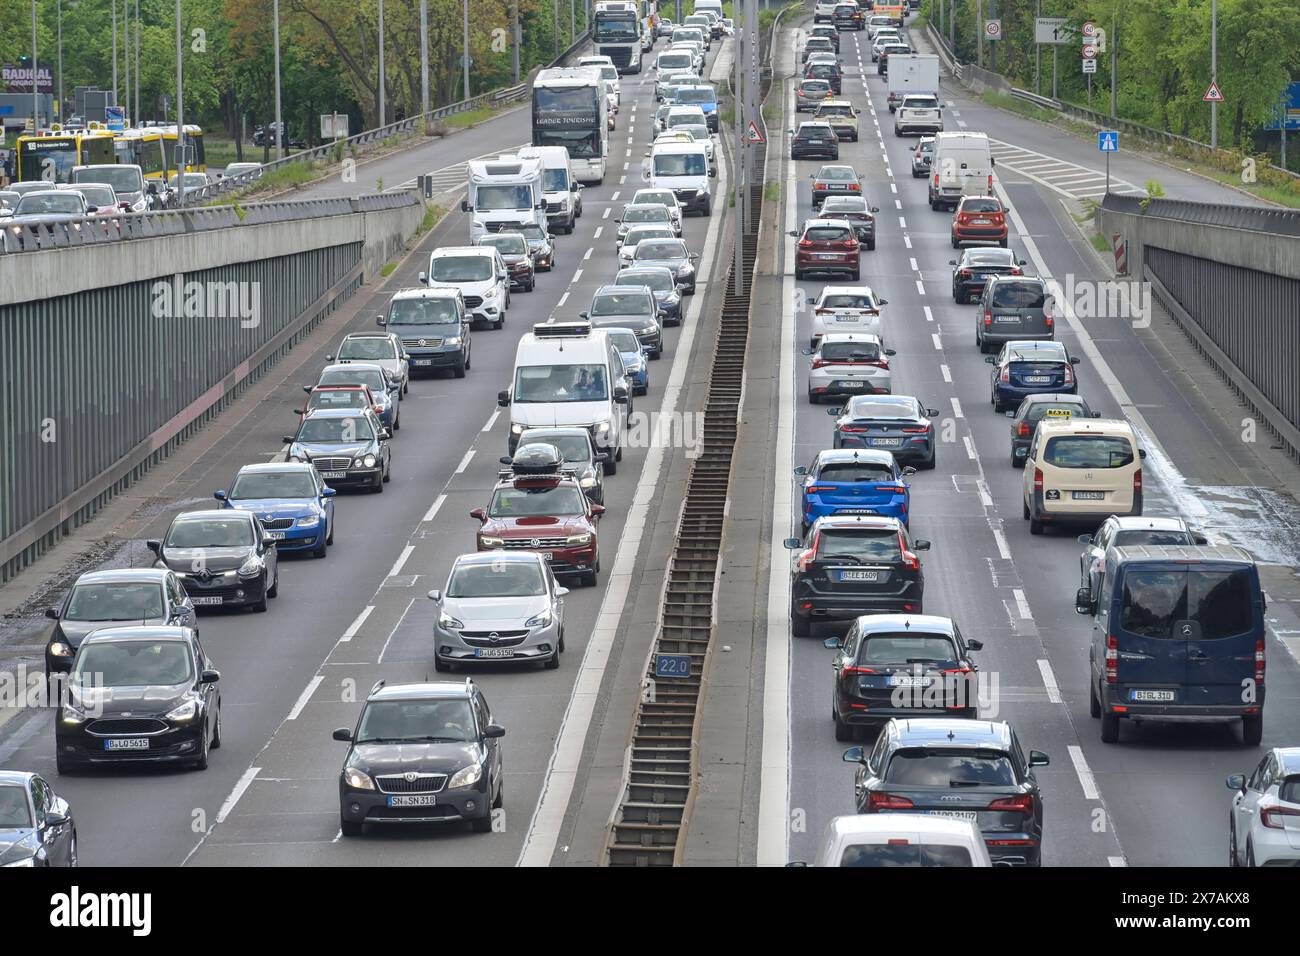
point(562, 191)
point(505, 194)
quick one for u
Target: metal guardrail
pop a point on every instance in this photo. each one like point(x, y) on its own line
point(1263, 219)
point(1046, 102)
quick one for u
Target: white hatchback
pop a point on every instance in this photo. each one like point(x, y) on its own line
point(846, 364)
point(1265, 817)
point(846, 308)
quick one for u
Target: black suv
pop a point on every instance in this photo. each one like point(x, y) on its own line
point(851, 565)
point(969, 769)
point(421, 753)
point(816, 140)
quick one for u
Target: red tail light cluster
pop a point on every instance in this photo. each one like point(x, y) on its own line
point(1259, 663)
point(1137, 481)
point(988, 318)
point(1038, 479)
point(1006, 372)
point(1021, 804)
point(887, 801)
point(805, 243)
point(1274, 817)
point(921, 430)
point(1069, 375)
point(910, 560)
point(1112, 659)
point(853, 428)
point(1022, 430)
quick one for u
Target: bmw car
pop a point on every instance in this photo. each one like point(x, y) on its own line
point(295, 505)
point(895, 423)
point(854, 482)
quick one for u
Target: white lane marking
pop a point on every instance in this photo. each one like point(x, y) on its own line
point(1116, 861)
point(971, 453)
point(902, 223)
point(1084, 772)
point(1004, 549)
point(937, 343)
point(1049, 681)
point(986, 499)
point(622, 180)
point(401, 561)
point(388, 640)
point(947, 373)
point(956, 405)
point(907, 240)
point(599, 230)
point(608, 210)
point(929, 316)
point(915, 267)
point(588, 253)
point(355, 626)
point(961, 123)
point(920, 287)
point(1022, 604)
point(305, 696)
point(893, 187)
point(576, 276)
point(562, 770)
point(238, 791)
point(613, 198)
point(492, 420)
point(464, 462)
point(625, 166)
point(563, 299)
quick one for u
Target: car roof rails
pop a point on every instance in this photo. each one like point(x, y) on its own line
point(378, 686)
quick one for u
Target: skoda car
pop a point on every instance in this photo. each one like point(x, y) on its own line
point(499, 606)
point(854, 482)
point(294, 503)
point(896, 423)
point(36, 825)
point(222, 558)
point(347, 448)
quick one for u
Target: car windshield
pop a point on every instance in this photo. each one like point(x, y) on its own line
point(903, 648)
point(862, 545)
point(97, 195)
point(210, 533)
point(532, 232)
point(40, 204)
point(921, 103)
point(121, 180)
point(560, 383)
point(372, 378)
point(1089, 451)
point(1154, 601)
point(503, 197)
point(133, 664)
point(836, 173)
point(840, 109)
point(368, 347)
point(555, 180)
point(14, 811)
point(815, 87)
point(273, 484)
point(508, 245)
point(122, 601)
point(422, 312)
point(496, 579)
point(572, 447)
point(1019, 295)
point(674, 61)
point(346, 431)
point(337, 398)
point(680, 164)
point(654, 281)
point(641, 233)
point(811, 131)
point(905, 855)
point(461, 268)
point(624, 340)
point(695, 96)
point(855, 471)
point(880, 407)
point(849, 352)
point(685, 118)
point(827, 234)
point(989, 257)
point(1150, 536)
point(656, 249)
point(662, 197)
point(432, 721)
point(557, 500)
point(1032, 354)
point(847, 300)
point(934, 767)
point(621, 303)
point(981, 205)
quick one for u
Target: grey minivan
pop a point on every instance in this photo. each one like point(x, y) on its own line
point(1013, 308)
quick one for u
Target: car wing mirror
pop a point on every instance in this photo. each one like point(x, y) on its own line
point(1236, 781)
point(1038, 759)
point(854, 755)
point(1074, 360)
point(1083, 601)
point(833, 643)
point(931, 412)
point(1142, 453)
point(990, 360)
point(974, 645)
point(1200, 539)
point(478, 513)
point(328, 492)
point(597, 510)
point(435, 595)
point(920, 545)
point(792, 544)
point(154, 545)
point(52, 613)
point(343, 734)
point(493, 731)
point(882, 302)
point(209, 677)
point(1085, 539)
point(219, 495)
point(801, 471)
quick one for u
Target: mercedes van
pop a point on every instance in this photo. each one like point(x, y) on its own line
point(562, 191)
point(962, 166)
point(1082, 471)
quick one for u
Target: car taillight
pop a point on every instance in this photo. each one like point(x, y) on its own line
point(1017, 272)
point(988, 320)
point(1112, 659)
point(855, 669)
point(823, 311)
point(936, 180)
point(1006, 375)
point(892, 489)
point(820, 363)
point(815, 489)
point(990, 184)
point(1023, 429)
point(1272, 817)
point(1259, 663)
point(805, 243)
point(916, 431)
point(854, 186)
point(878, 363)
point(853, 428)
point(910, 560)
point(1021, 804)
point(1038, 479)
point(964, 273)
point(887, 801)
point(850, 243)
point(1069, 375)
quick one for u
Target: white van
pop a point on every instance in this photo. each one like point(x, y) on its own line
point(570, 374)
point(1082, 470)
point(708, 6)
point(563, 192)
point(684, 168)
point(608, 73)
point(479, 273)
point(670, 63)
point(962, 165)
point(505, 194)
point(902, 839)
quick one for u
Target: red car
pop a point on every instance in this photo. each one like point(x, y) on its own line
point(827, 245)
point(336, 396)
point(979, 218)
point(538, 506)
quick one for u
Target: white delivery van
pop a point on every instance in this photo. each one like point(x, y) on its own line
point(670, 63)
point(684, 168)
point(962, 165)
point(505, 195)
point(479, 273)
point(705, 6)
point(568, 374)
point(912, 73)
point(562, 191)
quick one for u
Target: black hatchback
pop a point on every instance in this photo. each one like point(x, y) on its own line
point(977, 266)
point(850, 565)
point(966, 769)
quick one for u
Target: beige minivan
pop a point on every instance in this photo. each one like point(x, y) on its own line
point(1082, 471)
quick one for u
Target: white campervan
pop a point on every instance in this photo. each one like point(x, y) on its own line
point(962, 165)
point(563, 192)
point(505, 195)
point(684, 168)
point(570, 374)
point(479, 273)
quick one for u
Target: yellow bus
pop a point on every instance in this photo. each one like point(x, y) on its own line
point(197, 162)
point(51, 154)
point(143, 148)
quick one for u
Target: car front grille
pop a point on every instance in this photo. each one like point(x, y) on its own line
point(535, 542)
point(332, 464)
point(126, 727)
point(420, 343)
point(473, 301)
point(484, 639)
point(278, 524)
point(504, 226)
point(555, 207)
point(423, 783)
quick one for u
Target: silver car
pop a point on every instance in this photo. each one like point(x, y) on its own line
point(1129, 531)
point(499, 606)
point(379, 348)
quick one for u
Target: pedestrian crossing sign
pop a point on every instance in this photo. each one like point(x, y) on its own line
point(1108, 141)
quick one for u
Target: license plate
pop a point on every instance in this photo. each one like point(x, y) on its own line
point(275, 535)
point(886, 442)
point(547, 555)
point(1155, 695)
point(859, 575)
point(848, 318)
point(979, 222)
point(1038, 379)
point(333, 474)
point(412, 800)
point(855, 511)
point(853, 386)
point(827, 255)
point(955, 814)
point(127, 743)
point(1005, 318)
point(835, 186)
point(908, 680)
point(206, 600)
point(493, 652)
point(1088, 495)
point(424, 361)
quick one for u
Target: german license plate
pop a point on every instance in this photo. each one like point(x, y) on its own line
point(908, 680)
point(127, 743)
point(837, 186)
point(548, 555)
point(412, 799)
point(1152, 695)
point(1038, 379)
point(1007, 318)
point(859, 575)
point(216, 599)
point(424, 361)
point(275, 535)
point(886, 442)
point(979, 222)
point(954, 814)
point(851, 386)
point(333, 474)
point(841, 317)
point(1088, 495)
point(493, 652)
point(827, 255)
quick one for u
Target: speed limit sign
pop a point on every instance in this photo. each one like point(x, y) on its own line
point(1089, 29)
point(992, 29)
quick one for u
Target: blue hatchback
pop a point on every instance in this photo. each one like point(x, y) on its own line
point(854, 481)
point(294, 505)
point(636, 360)
point(1029, 367)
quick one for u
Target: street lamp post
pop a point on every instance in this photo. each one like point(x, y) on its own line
point(36, 88)
point(465, 57)
point(126, 53)
point(180, 113)
point(279, 126)
point(383, 111)
point(1214, 72)
point(59, 8)
point(113, 15)
point(424, 57)
point(137, 62)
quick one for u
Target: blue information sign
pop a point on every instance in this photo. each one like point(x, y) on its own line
point(672, 665)
point(1108, 141)
point(1289, 109)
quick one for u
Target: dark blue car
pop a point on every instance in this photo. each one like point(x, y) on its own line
point(851, 481)
point(636, 360)
point(1025, 368)
point(895, 423)
point(294, 505)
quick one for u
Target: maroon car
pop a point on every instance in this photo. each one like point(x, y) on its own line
point(827, 246)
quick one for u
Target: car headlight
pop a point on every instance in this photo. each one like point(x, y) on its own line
point(699, 194)
point(28, 862)
point(649, 330)
point(578, 539)
point(685, 269)
point(184, 713)
point(516, 429)
point(250, 566)
point(478, 223)
point(310, 521)
point(368, 461)
point(466, 777)
point(602, 428)
point(140, 205)
point(357, 780)
point(447, 622)
point(453, 340)
point(490, 294)
point(539, 620)
point(588, 482)
point(60, 649)
point(489, 542)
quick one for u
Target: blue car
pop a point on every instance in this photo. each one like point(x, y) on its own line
point(294, 505)
point(853, 481)
point(636, 358)
point(702, 96)
point(1030, 367)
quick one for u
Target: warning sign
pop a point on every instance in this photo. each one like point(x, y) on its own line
point(752, 135)
point(1213, 94)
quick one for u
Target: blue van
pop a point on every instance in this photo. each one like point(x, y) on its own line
point(1179, 632)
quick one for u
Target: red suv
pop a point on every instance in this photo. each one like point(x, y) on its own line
point(827, 245)
point(979, 218)
point(539, 506)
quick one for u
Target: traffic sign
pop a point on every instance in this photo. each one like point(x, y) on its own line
point(992, 29)
point(1052, 30)
point(672, 665)
point(1108, 141)
point(1089, 30)
point(1213, 94)
point(1089, 66)
point(752, 135)
point(1089, 52)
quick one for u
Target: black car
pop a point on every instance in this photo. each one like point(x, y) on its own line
point(349, 448)
point(580, 456)
point(977, 266)
point(859, 215)
point(969, 769)
point(1034, 408)
point(222, 558)
point(139, 695)
point(518, 257)
point(421, 753)
point(830, 72)
point(36, 825)
point(901, 665)
point(1014, 308)
point(896, 423)
point(815, 141)
point(661, 281)
point(113, 598)
point(850, 565)
point(541, 246)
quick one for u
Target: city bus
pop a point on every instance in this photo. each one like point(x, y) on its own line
point(570, 109)
point(196, 161)
point(51, 154)
point(143, 148)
